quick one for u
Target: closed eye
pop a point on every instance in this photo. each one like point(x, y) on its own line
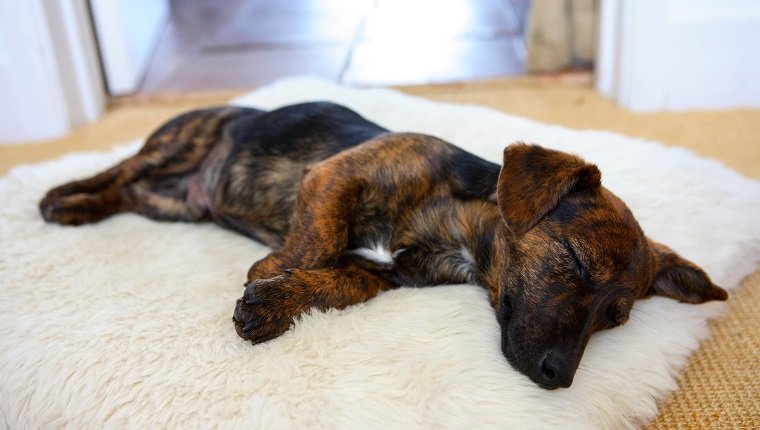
point(581, 269)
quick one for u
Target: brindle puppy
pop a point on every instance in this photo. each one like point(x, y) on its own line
point(560, 256)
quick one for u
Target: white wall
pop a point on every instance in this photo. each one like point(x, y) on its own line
point(679, 54)
point(49, 74)
point(127, 33)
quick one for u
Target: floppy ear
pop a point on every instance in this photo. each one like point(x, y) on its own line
point(681, 279)
point(533, 180)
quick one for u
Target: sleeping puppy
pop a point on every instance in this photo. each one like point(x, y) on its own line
point(351, 210)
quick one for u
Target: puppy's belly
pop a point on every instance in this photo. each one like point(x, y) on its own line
point(196, 192)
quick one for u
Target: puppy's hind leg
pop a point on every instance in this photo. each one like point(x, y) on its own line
point(139, 197)
point(177, 149)
point(172, 198)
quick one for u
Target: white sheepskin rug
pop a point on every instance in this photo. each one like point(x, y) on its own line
point(127, 323)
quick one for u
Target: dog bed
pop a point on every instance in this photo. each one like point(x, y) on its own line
point(127, 323)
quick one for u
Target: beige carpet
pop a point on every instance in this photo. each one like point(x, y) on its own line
point(720, 388)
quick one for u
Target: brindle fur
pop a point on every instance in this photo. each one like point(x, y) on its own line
point(559, 255)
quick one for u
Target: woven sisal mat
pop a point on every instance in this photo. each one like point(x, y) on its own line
point(721, 388)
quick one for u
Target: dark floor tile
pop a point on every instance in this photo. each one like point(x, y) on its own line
point(315, 5)
point(248, 68)
point(288, 23)
point(191, 24)
point(226, 44)
point(202, 12)
point(521, 9)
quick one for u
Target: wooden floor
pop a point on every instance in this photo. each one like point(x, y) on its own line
point(238, 44)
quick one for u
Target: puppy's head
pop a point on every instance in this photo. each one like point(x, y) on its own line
point(576, 261)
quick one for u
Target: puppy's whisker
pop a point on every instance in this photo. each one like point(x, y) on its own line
point(641, 311)
point(636, 317)
point(589, 371)
point(645, 319)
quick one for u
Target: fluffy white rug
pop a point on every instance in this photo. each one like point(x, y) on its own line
point(127, 323)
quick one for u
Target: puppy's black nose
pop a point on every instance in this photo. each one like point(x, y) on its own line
point(555, 370)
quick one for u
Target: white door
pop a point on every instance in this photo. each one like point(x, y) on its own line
point(679, 54)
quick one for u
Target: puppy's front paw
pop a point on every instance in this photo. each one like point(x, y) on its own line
point(266, 309)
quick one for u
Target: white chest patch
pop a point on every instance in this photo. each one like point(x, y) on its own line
point(377, 253)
